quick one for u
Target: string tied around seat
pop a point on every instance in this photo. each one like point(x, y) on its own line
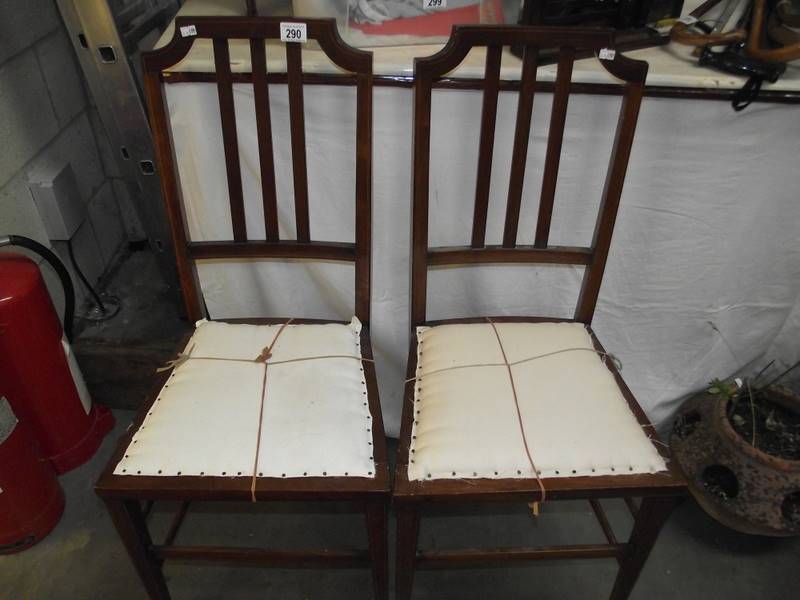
point(519, 417)
point(263, 358)
point(604, 355)
point(508, 364)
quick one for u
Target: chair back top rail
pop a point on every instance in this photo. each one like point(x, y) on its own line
point(357, 70)
point(567, 42)
point(323, 31)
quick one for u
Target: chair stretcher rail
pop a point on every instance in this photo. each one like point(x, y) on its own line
point(456, 558)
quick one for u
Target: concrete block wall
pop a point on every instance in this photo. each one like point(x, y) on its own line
point(46, 117)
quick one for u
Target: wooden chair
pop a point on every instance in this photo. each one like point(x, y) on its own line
point(244, 352)
point(506, 409)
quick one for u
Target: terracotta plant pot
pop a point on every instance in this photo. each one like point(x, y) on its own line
point(742, 487)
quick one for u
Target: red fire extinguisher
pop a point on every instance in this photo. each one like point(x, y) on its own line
point(38, 372)
point(31, 500)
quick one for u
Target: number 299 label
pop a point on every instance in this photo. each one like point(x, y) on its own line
point(294, 32)
point(434, 4)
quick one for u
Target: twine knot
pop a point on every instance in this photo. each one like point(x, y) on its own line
point(176, 362)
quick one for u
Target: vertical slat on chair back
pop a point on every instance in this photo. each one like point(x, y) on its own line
point(558, 118)
point(486, 148)
point(266, 160)
point(568, 42)
point(356, 69)
point(294, 69)
point(222, 65)
point(519, 154)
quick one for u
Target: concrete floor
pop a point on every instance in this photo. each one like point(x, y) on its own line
point(695, 557)
point(83, 559)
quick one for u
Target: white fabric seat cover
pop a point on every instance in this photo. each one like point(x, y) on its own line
point(316, 419)
point(575, 418)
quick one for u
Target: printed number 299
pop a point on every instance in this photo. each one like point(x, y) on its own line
point(434, 4)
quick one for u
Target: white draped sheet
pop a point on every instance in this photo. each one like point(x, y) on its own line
point(703, 278)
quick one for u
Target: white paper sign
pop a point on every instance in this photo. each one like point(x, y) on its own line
point(607, 53)
point(434, 4)
point(294, 32)
point(188, 30)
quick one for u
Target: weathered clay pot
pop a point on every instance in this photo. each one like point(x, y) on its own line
point(737, 484)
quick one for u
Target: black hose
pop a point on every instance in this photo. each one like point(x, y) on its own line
point(85, 281)
point(59, 268)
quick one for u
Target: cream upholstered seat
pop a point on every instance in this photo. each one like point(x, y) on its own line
point(315, 419)
point(575, 419)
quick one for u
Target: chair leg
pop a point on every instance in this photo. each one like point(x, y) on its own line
point(377, 531)
point(651, 516)
point(406, 559)
point(130, 523)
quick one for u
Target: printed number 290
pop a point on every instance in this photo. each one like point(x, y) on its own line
point(294, 32)
point(434, 4)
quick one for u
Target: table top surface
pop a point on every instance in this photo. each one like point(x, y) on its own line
point(671, 65)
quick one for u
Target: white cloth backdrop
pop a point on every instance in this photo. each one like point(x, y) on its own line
point(703, 279)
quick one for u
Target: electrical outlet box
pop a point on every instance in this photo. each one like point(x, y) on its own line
point(56, 194)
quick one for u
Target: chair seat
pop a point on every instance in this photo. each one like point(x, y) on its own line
point(575, 418)
point(315, 419)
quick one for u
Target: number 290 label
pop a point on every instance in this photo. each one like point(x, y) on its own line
point(294, 32)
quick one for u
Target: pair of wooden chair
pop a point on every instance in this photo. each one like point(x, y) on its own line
point(496, 409)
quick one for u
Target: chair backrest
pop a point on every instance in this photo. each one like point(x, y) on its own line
point(567, 42)
point(356, 69)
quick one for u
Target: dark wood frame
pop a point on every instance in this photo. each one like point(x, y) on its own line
point(600, 89)
point(659, 491)
point(128, 498)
